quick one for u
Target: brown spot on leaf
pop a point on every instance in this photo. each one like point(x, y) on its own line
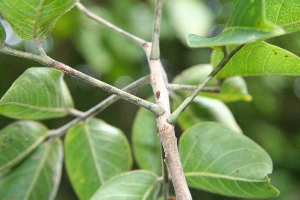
point(286, 56)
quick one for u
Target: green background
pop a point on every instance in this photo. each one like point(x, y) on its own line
point(272, 119)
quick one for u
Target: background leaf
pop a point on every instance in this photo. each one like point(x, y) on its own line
point(2, 33)
point(222, 161)
point(145, 141)
point(232, 89)
point(194, 75)
point(37, 177)
point(284, 13)
point(134, 185)
point(39, 93)
point(180, 13)
point(206, 109)
point(95, 152)
point(35, 18)
point(247, 23)
point(19, 139)
point(259, 59)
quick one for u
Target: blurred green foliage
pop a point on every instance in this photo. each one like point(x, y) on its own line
point(272, 119)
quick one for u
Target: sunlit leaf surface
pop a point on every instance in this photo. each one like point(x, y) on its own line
point(259, 59)
point(39, 93)
point(34, 18)
point(284, 13)
point(247, 23)
point(222, 161)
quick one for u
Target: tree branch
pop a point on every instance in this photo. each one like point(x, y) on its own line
point(99, 107)
point(110, 25)
point(45, 60)
point(179, 87)
point(165, 130)
point(227, 56)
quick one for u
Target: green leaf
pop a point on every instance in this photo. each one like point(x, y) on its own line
point(259, 59)
point(145, 141)
point(284, 13)
point(180, 13)
point(95, 152)
point(35, 18)
point(39, 93)
point(206, 109)
point(194, 75)
point(19, 139)
point(2, 33)
point(134, 185)
point(222, 161)
point(37, 177)
point(247, 23)
point(232, 89)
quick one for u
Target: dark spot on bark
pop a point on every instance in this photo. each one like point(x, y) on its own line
point(157, 94)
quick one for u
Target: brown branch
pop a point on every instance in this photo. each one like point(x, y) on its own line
point(166, 130)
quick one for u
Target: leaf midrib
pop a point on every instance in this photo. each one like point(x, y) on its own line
point(221, 176)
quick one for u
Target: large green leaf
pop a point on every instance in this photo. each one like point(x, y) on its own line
point(259, 59)
point(2, 33)
point(206, 109)
point(39, 93)
point(145, 142)
point(284, 13)
point(95, 152)
point(19, 139)
point(247, 23)
point(222, 161)
point(34, 18)
point(37, 177)
point(134, 185)
point(232, 89)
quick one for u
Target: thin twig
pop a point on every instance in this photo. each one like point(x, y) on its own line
point(156, 30)
point(75, 112)
point(110, 25)
point(39, 46)
point(174, 116)
point(179, 87)
point(45, 60)
point(99, 107)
